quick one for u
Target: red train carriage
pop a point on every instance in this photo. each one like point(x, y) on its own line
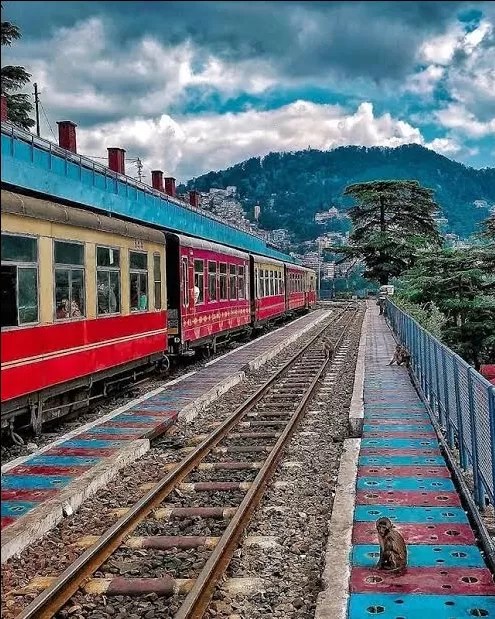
point(83, 298)
point(310, 292)
point(297, 287)
point(267, 290)
point(212, 301)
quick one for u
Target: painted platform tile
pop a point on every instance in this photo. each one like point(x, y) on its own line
point(465, 581)
point(419, 555)
point(399, 443)
point(368, 513)
point(32, 496)
point(395, 606)
point(405, 483)
point(418, 533)
point(15, 509)
point(376, 470)
point(411, 454)
point(422, 499)
point(392, 459)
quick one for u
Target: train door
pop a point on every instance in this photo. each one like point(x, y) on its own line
point(253, 276)
point(173, 291)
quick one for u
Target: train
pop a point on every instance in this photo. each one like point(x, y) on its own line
point(88, 298)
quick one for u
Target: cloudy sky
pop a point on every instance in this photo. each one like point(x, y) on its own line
point(195, 86)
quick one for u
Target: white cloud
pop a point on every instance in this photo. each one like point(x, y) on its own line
point(79, 73)
point(441, 49)
point(457, 117)
point(424, 82)
point(189, 146)
point(445, 146)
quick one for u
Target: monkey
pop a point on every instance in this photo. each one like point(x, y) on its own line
point(393, 549)
point(328, 349)
point(400, 356)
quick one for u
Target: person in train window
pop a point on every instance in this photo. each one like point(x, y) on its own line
point(197, 292)
point(75, 311)
point(63, 309)
point(143, 301)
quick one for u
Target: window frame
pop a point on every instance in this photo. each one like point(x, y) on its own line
point(156, 281)
point(232, 279)
point(241, 287)
point(27, 265)
point(139, 273)
point(210, 274)
point(202, 275)
point(108, 269)
point(70, 268)
point(225, 276)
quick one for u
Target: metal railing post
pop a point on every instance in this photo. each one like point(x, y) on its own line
point(479, 493)
point(460, 433)
point(449, 426)
point(491, 420)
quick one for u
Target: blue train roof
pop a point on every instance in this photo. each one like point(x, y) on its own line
point(33, 164)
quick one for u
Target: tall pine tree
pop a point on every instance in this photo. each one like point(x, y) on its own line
point(14, 78)
point(393, 221)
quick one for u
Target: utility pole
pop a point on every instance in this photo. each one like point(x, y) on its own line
point(37, 108)
point(139, 166)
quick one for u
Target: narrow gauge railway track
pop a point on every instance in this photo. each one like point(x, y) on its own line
point(274, 411)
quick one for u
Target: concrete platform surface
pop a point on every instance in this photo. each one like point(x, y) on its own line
point(38, 489)
point(402, 474)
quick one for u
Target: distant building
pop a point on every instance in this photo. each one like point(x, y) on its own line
point(257, 212)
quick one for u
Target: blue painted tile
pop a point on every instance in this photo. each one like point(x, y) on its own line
point(370, 513)
point(401, 460)
point(90, 444)
point(405, 483)
point(14, 509)
point(400, 443)
point(423, 556)
point(110, 430)
point(34, 482)
point(62, 461)
point(384, 427)
point(392, 606)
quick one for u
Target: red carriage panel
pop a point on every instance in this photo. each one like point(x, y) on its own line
point(269, 288)
point(214, 284)
point(34, 358)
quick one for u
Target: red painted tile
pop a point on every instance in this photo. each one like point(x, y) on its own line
point(107, 437)
point(416, 421)
point(403, 471)
point(419, 499)
point(102, 452)
point(445, 533)
point(433, 580)
point(386, 451)
point(68, 471)
point(6, 520)
point(37, 496)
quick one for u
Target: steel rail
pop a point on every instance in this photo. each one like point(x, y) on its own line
point(51, 600)
point(199, 596)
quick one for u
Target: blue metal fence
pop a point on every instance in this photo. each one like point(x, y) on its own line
point(462, 401)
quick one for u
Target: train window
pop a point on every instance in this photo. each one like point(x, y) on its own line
point(241, 283)
point(108, 280)
point(185, 282)
point(223, 281)
point(212, 281)
point(157, 280)
point(232, 282)
point(69, 280)
point(19, 280)
point(138, 274)
point(199, 281)
point(262, 283)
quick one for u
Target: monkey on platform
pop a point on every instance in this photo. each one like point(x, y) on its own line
point(328, 349)
point(401, 356)
point(393, 550)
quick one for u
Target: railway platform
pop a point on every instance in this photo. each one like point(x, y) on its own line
point(396, 469)
point(39, 489)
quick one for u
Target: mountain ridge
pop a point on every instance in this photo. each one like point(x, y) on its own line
point(291, 187)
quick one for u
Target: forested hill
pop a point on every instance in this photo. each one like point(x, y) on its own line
point(292, 187)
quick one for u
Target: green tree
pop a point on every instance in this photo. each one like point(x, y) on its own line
point(13, 78)
point(459, 283)
point(392, 223)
